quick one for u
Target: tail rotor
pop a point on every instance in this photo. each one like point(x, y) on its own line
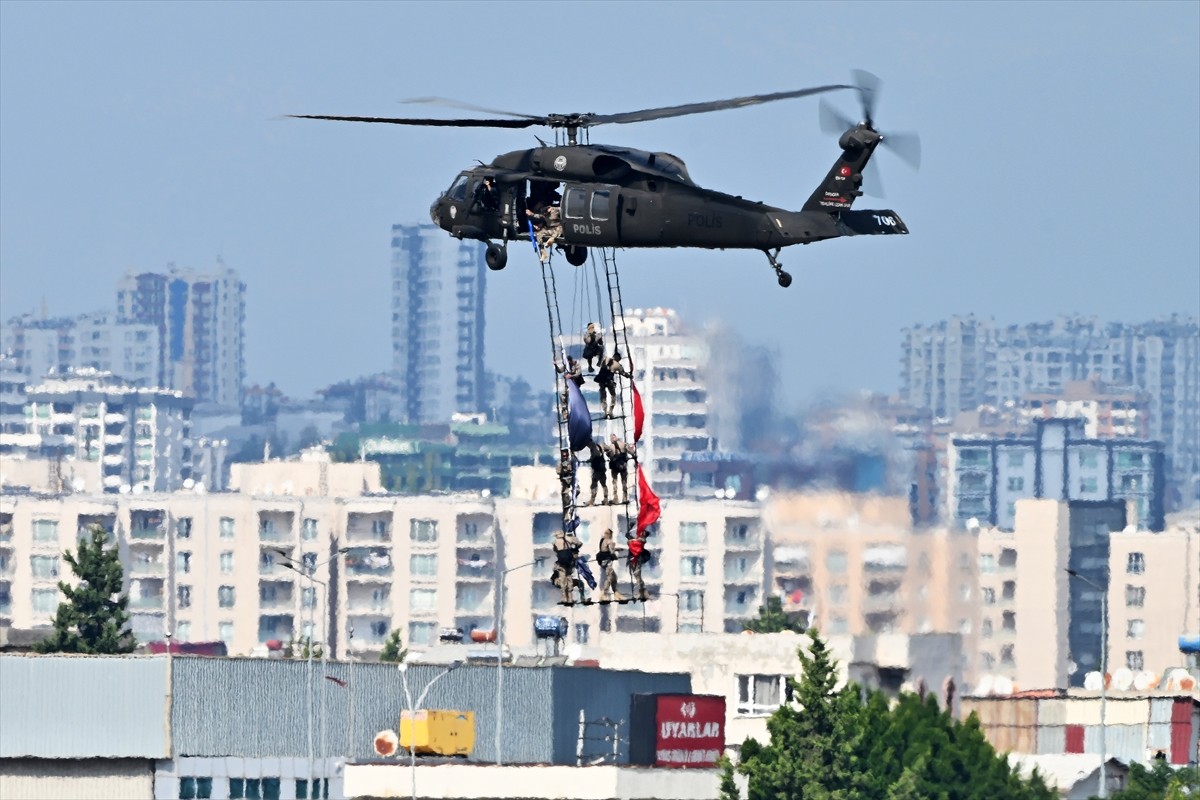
point(906, 145)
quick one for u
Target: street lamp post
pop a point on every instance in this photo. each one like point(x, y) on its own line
point(412, 716)
point(1103, 674)
point(306, 571)
point(500, 575)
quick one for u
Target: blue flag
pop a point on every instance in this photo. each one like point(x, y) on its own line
point(579, 419)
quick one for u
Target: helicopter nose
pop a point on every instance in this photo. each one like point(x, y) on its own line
point(434, 212)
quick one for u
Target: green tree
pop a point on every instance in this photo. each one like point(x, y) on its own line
point(393, 651)
point(728, 786)
point(93, 618)
point(849, 745)
point(1161, 782)
point(773, 619)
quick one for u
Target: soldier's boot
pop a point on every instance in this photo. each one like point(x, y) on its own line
point(616, 595)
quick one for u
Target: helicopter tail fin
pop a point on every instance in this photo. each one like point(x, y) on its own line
point(843, 184)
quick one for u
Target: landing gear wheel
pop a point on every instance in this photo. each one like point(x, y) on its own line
point(785, 278)
point(576, 255)
point(496, 256)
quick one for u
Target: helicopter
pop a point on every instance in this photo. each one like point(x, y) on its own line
point(610, 196)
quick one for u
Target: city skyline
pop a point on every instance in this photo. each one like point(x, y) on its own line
point(184, 162)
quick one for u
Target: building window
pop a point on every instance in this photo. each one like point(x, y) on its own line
point(581, 633)
point(44, 567)
point(184, 596)
point(835, 562)
point(1006, 654)
point(985, 629)
point(422, 564)
point(987, 562)
point(1135, 564)
point(693, 534)
point(1135, 596)
point(1088, 459)
point(309, 562)
point(1009, 621)
point(1135, 660)
point(1016, 460)
point(45, 601)
point(183, 631)
point(423, 530)
point(226, 527)
point(420, 633)
point(422, 599)
point(226, 596)
point(691, 600)
point(183, 528)
point(254, 788)
point(1009, 590)
point(45, 530)
point(1088, 486)
point(198, 787)
point(183, 562)
point(837, 594)
point(759, 695)
point(1016, 484)
point(308, 597)
point(226, 559)
point(838, 625)
point(691, 566)
point(989, 596)
point(1135, 628)
point(320, 788)
point(225, 632)
point(308, 529)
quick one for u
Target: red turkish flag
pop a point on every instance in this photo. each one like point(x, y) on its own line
point(649, 509)
point(639, 414)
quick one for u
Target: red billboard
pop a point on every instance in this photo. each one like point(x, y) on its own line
point(690, 730)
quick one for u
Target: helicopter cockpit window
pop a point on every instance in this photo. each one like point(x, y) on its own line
point(575, 203)
point(600, 204)
point(458, 190)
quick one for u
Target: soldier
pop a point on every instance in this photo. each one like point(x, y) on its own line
point(607, 559)
point(547, 227)
point(566, 479)
point(599, 478)
point(618, 465)
point(638, 555)
point(574, 374)
point(566, 548)
point(486, 197)
point(610, 368)
point(593, 346)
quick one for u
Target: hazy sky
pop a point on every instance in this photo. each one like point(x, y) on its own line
point(1061, 161)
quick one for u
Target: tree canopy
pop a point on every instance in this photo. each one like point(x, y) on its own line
point(1162, 782)
point(393, 650)
point(847, 744)
point(93, 618)
point(773, 619)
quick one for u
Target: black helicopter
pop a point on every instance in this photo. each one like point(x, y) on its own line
point(613, 196)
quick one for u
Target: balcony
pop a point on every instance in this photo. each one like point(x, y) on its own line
point(274, 595)
point(368, 562)
point(145, 564)
point(274, 526)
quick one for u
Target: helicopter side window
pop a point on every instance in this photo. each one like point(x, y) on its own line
point(600, 205)
point(575, 203)
point(458, 190)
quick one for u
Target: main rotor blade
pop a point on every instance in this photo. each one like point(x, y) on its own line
point(905, 145)
point(699, 108)
point(448, 102)
point(832, 120)
point(451, 123)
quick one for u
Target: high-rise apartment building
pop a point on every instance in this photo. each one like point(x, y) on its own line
point(1042, 628)
point(963, 363)
point(669, 368)
point(39, 347)
point(199, 319)
point(104, 435)
point(438, 287)
point(988, 474)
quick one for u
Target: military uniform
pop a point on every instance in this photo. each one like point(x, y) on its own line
point(637, 546)
point(606, 378)
point(566, 480)
point(566, 547)
point(599, 478)
point(618, 465)
point(550, 229)
point(572, 373)
point(593, 345)
point(607, 559)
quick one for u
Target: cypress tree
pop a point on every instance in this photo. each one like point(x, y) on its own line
point(93, 618)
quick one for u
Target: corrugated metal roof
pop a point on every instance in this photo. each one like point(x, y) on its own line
point(83, 707)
